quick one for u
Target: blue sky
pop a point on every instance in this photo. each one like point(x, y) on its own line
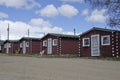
point(45, 16)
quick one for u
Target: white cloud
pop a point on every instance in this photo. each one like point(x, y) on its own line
point(27, 4)
point(85, 12)
point(97, 16)
point(3, 15)
point(39, 22)
point(48, 11)
point(68, 10)
point(81, 1)
point(65, 10)
point(19, 29)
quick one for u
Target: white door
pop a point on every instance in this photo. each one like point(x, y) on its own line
point(24, 47)
point(7, 48)
point(49, 46)
point(95, 45)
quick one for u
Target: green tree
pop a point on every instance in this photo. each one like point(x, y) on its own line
point(113, 10)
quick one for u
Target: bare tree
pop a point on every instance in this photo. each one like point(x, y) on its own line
point(113, 10)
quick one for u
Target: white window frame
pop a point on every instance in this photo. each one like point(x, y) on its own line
point(45, 43)
point(9, 45)
point(21, 45)
point(102, 37)
point(84, 42)
point(55, 42)
point(27, 44)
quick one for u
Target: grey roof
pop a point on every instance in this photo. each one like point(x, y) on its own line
point(62, 35)
point(30, 38)
point(101, 29)
point(12, 41)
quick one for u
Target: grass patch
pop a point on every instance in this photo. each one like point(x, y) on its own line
point(103, 58)
point(44, 56)
point(64, 56)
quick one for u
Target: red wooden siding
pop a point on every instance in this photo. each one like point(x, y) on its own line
point(64, 45)
point(105, 50)
point(34, 45)
point(13, 49)
point(69, 46)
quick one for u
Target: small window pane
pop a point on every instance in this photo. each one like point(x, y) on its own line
point(86, 42)
point(27, 44)
point(55, 42)
point(20, 45)
point(106, 40)
point(9, 45)
point(45, 43)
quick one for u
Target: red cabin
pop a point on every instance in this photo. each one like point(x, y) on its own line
point(59, 44)
point(10, 46)
point(99, 42)
point(29, 45)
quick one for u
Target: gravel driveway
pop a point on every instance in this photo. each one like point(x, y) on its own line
point(30, 68)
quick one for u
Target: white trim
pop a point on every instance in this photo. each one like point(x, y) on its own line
point(27, 44)
point(102, 43)
point(24, 47)
point(55, 42)
point(21, 45)
point(49, 46)
point(84, 45)
point(7, 48)
point(9, 45)
point(45, 43)
point(97, 47)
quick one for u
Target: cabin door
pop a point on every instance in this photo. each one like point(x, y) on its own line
point(95, 45)
point(24, 47)
point(49, 46)
point(7, 48)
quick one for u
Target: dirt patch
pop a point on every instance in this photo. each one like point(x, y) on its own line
point(30, 68)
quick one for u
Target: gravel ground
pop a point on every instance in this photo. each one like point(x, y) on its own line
point(30, 68)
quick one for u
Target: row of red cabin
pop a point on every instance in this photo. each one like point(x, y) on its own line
point(94, 42)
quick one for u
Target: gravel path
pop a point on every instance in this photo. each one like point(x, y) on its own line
point(29, 68)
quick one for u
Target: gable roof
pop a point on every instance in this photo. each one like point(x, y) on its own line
point(101, 29)
point(12, 41)
point(61, 35)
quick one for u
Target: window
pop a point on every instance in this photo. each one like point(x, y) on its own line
point(105, 40)
point(9, 45)
point(86, 42)
point(45, 43)
point(27, 44)
point(20, 45)
point(55, 42)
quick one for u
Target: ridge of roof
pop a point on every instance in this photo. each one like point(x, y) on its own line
point(64, 35)
point(97, 28)
point(11, 41)
point(30, 38)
